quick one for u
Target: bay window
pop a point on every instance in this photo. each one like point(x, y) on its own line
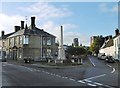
point(26, 39)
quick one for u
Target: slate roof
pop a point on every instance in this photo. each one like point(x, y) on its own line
point(108, 44)
point(7, 35)
point(34, 31)
point(116, 36)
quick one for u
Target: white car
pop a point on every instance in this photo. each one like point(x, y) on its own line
point(99, 55)
point(103, 57)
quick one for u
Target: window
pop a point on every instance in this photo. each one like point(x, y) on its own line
point(44, 55)
point(20, 40)
point(15, 41)
point(48, 41)
point(49, 53)
point(44, 41)
point(3, 44)
point(26, 39)
point(11, 41)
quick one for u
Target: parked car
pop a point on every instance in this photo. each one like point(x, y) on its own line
point(110, 59)
point(3, 60)
point(103, 57)
point(28, 60)
point(99, 55)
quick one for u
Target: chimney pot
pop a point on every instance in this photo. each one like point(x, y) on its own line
point(106, 38)
point(116, 31)
point(17, 28)
point(22, 24)
point(32, 22)
point(110, 36)
point(3, 33)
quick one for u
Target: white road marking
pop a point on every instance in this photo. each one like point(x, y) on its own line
point(95, 77)
point(98, 83)
point(113, 70)
point(87, 80)
point(66, 77)
point(59, 76)
point(91, 84)
point(109, 65)
point(80, 81)
point(71, 79)
point(51, 74)
point(91, 62)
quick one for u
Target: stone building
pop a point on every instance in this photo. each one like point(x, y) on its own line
point(111, 46)
point(30, 42)
point(3, 43)
point(75, 42)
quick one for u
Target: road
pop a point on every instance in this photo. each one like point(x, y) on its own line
point(98, 73)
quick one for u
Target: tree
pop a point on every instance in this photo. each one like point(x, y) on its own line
point(76, 50)
point(95, 46)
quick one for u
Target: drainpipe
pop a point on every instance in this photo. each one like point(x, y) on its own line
point(41, 46)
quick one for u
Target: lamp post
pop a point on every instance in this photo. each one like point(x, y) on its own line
point(1, 47)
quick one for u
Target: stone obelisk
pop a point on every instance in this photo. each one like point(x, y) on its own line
point(61, 51)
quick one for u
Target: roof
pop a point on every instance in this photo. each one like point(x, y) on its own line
point(34, 31)
point(7, 35)
point(116, 36)
point(108, 44)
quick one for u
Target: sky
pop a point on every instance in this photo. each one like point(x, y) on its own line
point(79, 19)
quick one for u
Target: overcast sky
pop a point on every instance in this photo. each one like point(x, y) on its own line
point(79, 19)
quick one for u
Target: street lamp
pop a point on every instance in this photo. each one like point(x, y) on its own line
point(1, 47)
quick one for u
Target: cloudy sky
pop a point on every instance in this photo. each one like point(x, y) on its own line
point(79, 19)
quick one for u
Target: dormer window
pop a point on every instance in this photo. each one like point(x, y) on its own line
point(26, 39)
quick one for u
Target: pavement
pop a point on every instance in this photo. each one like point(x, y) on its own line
point(86, 63)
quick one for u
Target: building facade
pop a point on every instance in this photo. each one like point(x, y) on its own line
point(117, 45)
point(30, 42)
point(111, 47)
point(3, 44)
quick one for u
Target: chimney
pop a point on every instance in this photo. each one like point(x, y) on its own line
point(110, 36)
point(116, 32)
point(3, 33)
point(17, 28)
point(32, 22)
point(22, 24)
point(106, 38)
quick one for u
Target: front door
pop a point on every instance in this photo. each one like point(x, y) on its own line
point(14, 54)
